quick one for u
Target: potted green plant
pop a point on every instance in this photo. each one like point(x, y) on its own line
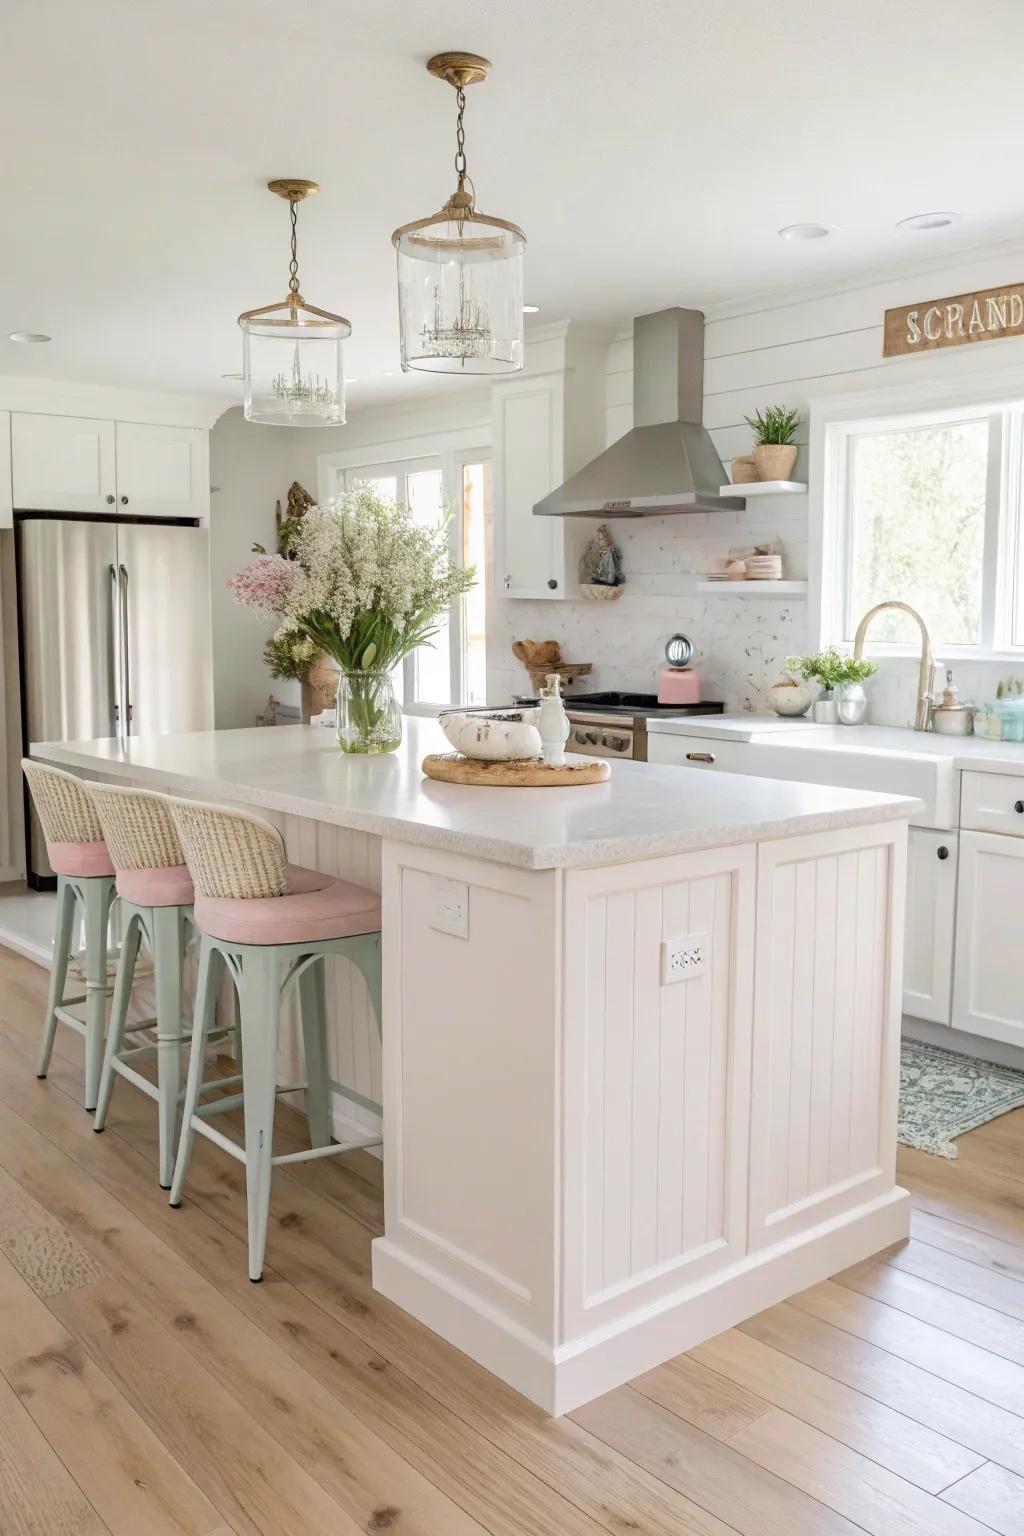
point(843, 700)
point(774, 449)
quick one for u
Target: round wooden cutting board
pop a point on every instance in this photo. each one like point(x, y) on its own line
point(527, 773)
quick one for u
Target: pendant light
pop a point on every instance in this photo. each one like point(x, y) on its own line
point(460, 272)
point(291, 352)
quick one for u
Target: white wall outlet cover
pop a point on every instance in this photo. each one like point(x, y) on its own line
point(683, 959)
point(449, 908)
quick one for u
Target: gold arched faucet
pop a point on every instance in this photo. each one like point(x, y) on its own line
point(925, 698)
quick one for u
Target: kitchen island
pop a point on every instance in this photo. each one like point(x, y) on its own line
point(640, 1059)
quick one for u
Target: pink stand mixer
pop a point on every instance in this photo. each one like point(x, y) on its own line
point(678, 683)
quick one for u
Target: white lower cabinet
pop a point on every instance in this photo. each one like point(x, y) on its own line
point(988, 998)
point(929, 935)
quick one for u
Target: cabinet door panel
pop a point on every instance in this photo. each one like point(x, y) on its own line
point(529, 462)
point(988, 998)
point(162, 471)
point(929, 932)
point(62, 464)
point(826, 1027)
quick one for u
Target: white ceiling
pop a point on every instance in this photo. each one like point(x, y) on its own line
point(650, 148)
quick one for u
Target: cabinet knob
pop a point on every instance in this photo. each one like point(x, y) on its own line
point(1018, 806)
point(552, 583)
point(942, 853)
point(111, 500)
point(124, 501)
point(508, 582)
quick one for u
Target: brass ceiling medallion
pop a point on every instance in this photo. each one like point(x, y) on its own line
point(292, 368)
point(460, 271)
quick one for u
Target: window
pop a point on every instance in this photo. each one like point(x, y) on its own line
point(926, 508)
point(452, 667)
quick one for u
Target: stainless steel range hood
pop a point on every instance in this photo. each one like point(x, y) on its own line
point(667, 462)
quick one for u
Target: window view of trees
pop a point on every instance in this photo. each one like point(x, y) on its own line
point(917, 508)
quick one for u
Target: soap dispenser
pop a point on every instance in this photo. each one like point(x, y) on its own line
point(950, 717)
point(553, 722)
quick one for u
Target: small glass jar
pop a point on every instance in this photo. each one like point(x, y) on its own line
point(369, 719)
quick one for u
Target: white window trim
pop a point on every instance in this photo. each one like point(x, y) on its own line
point(449, 451)
point(830, 418)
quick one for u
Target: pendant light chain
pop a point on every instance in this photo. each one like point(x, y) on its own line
point(460, 144)
point(293, 265)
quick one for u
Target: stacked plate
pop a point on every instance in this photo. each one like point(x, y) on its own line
point(764, 567)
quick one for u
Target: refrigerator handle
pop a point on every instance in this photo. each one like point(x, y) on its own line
point(126, 706)
point(115, 636)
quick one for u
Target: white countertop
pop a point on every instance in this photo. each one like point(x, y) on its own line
point(643, 810)
point(888, 740)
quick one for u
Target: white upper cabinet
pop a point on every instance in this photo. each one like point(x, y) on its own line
point(123, 469)
point(547, 423)
point(162, 471)
point(62, 464)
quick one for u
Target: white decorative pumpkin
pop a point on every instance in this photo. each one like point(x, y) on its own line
point(492, 738)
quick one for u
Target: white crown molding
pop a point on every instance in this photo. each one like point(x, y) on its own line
point(784, 298)
point(62, 397)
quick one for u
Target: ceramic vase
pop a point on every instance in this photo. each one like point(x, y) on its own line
point(852, 704)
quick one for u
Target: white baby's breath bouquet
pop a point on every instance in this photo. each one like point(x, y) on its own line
point(362, 581)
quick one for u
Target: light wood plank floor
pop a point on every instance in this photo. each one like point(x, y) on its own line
point(147, 1389)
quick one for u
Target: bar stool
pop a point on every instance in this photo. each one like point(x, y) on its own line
point(272, 925)
point(155, 891)
point(79, 857)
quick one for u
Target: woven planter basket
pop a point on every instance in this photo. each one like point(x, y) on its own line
point(775, 461)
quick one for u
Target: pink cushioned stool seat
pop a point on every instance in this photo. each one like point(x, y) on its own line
point(79, 858)
point(316, 907)
point(170, 887)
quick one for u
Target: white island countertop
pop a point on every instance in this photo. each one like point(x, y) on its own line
point(643, 810)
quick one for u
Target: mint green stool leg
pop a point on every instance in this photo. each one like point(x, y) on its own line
point(259, 998)
point(59, 969)
point(118, 1014)
point(364, 952)
point(168, 943)
point(205, 1004)
point(97, 894)
point(313, 1006)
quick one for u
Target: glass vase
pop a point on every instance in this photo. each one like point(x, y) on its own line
point(369, 719)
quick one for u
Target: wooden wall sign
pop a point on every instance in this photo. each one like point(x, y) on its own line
point(955, 322)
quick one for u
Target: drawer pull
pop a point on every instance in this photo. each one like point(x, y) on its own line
point(942, 853)
point(1018, 806)
point(709, 757)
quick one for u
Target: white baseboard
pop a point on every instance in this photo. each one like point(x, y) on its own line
point(560, 1379)
point(949, 1039)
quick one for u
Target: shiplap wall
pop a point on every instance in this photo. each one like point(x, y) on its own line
point(792, 350)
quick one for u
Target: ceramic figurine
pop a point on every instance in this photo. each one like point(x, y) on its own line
point(601, 561)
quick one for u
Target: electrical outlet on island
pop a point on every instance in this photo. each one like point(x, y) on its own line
point(683, 959)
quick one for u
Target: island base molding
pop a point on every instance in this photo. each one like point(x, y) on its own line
point(561, 1379)
point(628, 1106)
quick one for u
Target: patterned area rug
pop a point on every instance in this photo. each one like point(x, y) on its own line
point(944, 1094)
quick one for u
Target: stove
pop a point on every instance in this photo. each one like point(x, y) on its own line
point(614, 724)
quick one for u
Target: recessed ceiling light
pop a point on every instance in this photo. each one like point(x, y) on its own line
point(29, 336)
point(924, 222)
point(531, 309)
point(806, 231)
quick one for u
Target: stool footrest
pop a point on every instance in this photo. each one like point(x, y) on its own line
point(332, 1151)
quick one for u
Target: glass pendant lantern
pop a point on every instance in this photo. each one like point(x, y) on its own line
point(460, 271)
point(293, 373)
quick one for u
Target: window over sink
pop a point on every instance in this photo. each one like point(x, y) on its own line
point(926, 507)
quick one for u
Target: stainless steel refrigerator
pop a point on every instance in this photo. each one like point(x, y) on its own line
point(115, 634)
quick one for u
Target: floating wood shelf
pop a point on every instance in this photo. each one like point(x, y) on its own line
point(754, 588)
point(765, 488)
